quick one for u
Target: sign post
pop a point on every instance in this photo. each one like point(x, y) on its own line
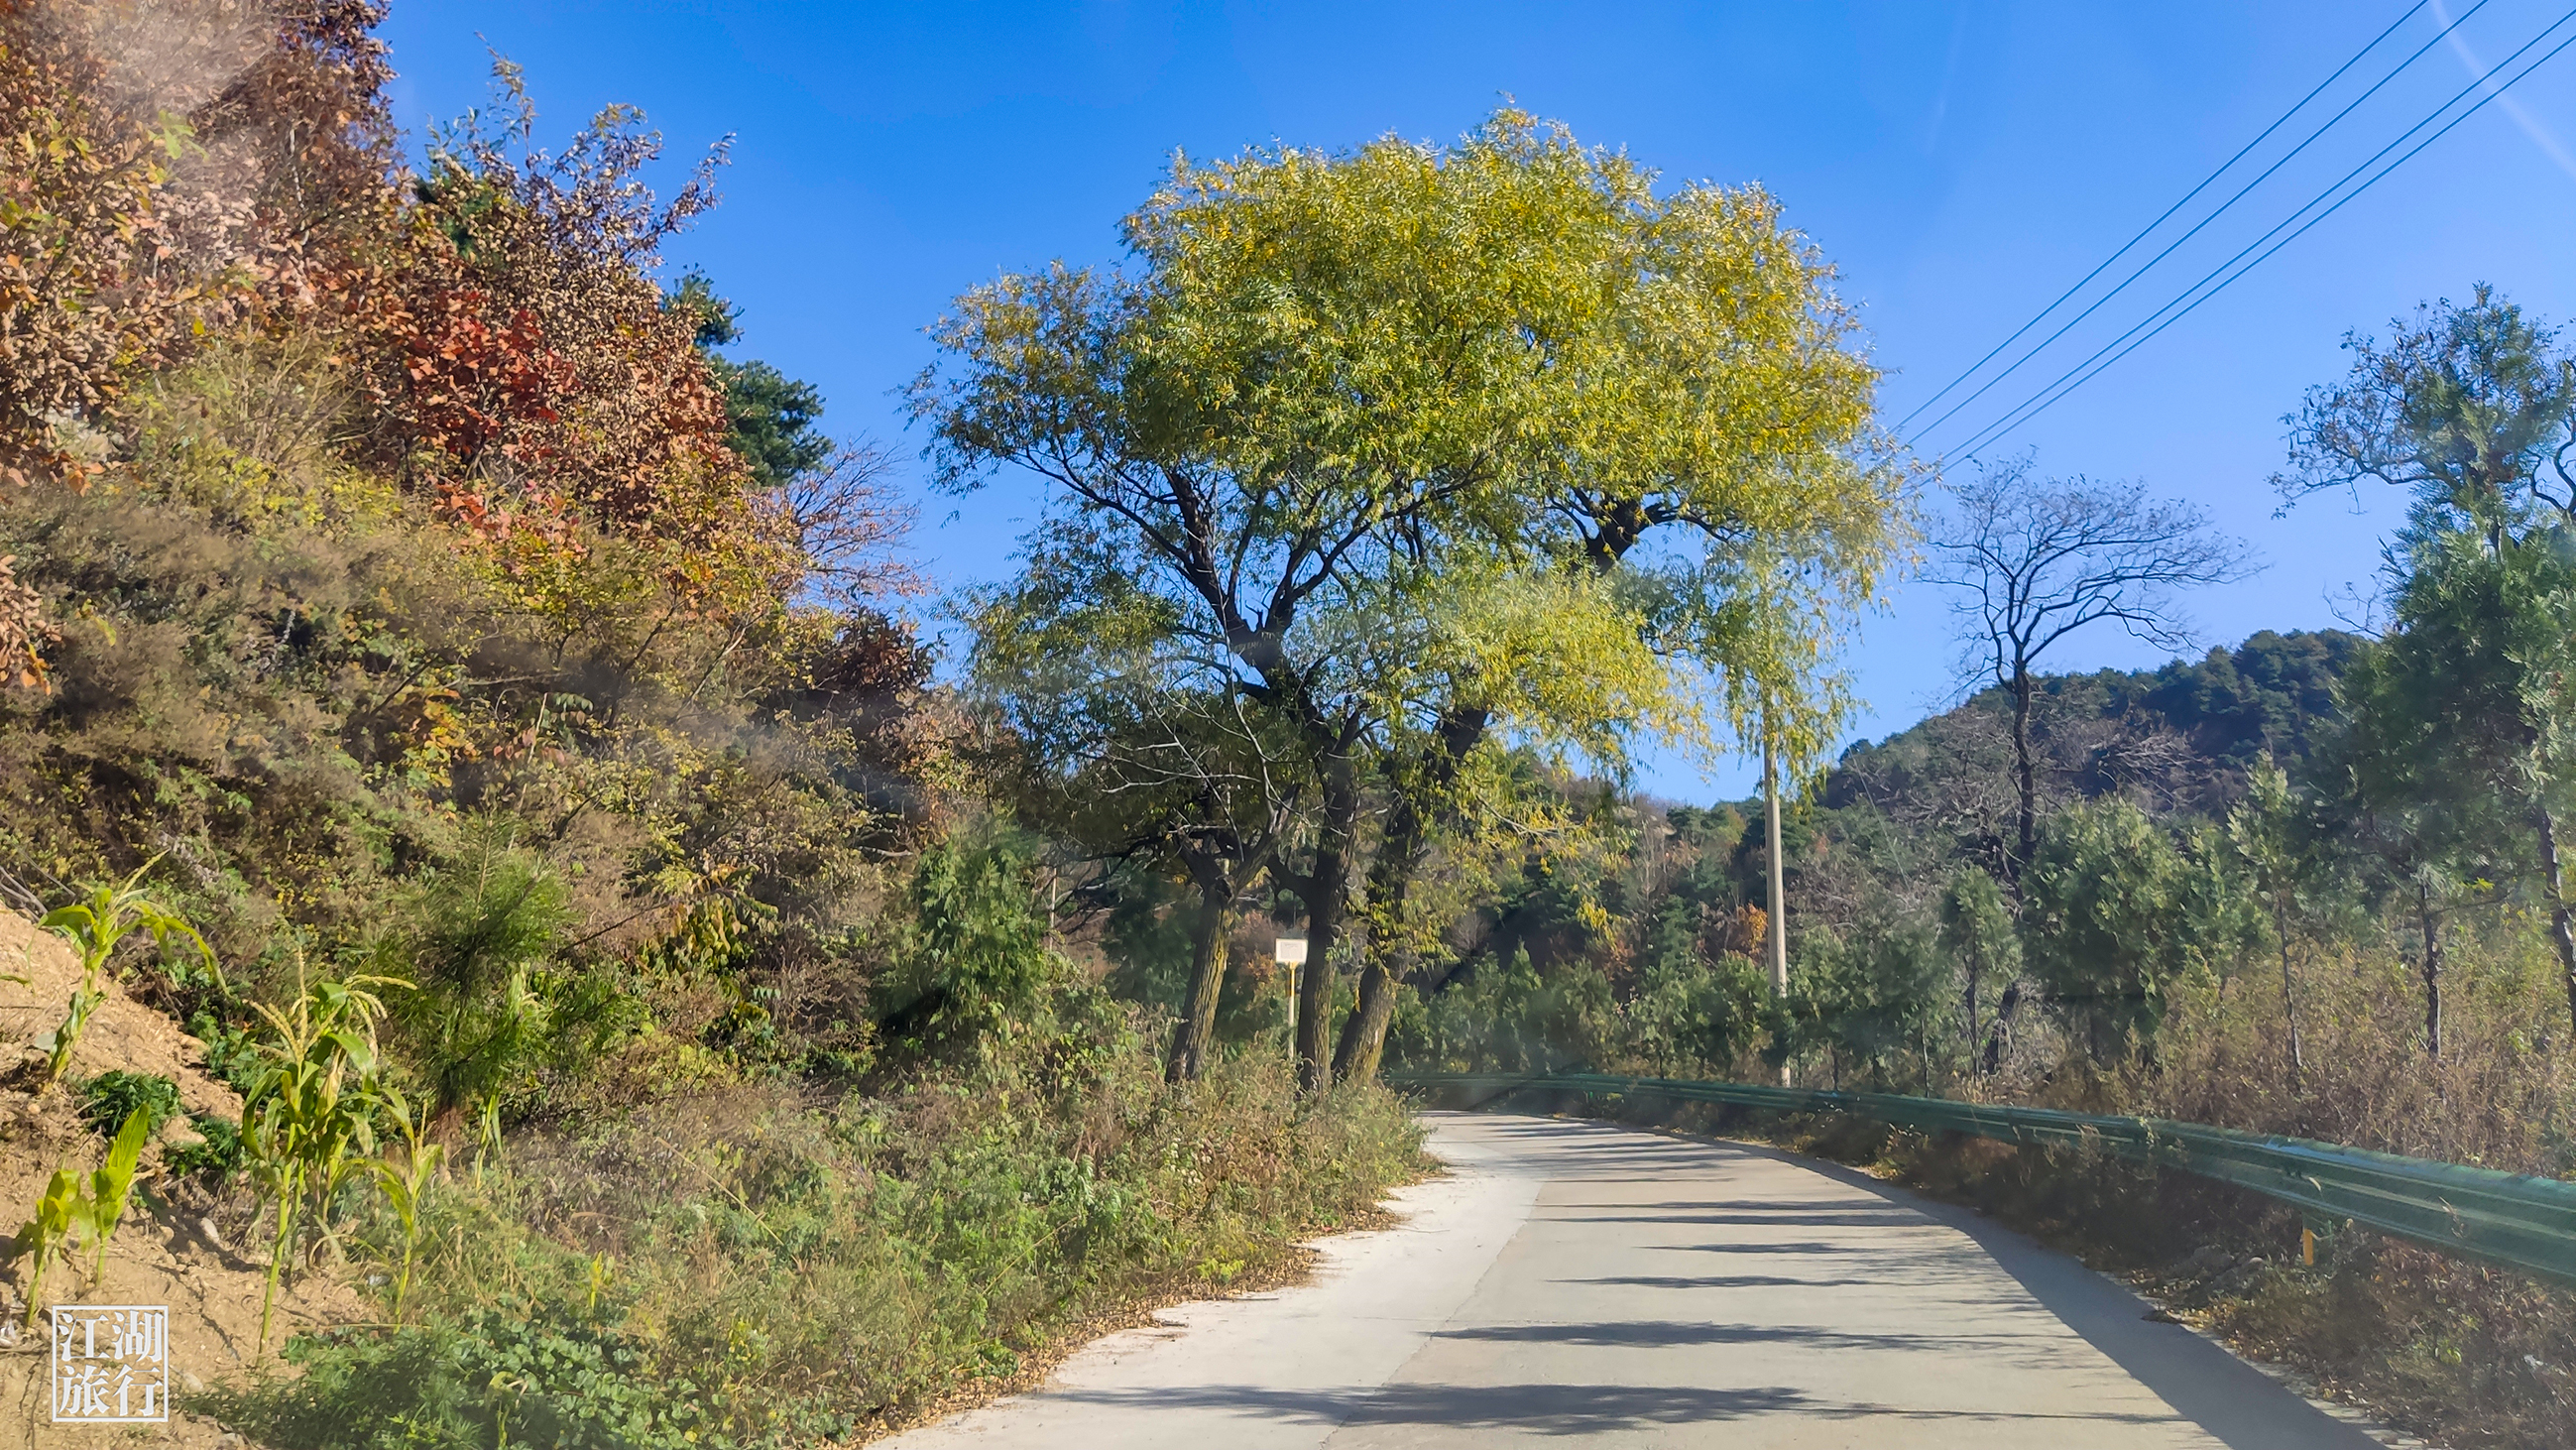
point(1290, 952)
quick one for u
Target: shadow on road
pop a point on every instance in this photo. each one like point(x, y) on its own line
point(1722, 1281)
point(1837, 1217)
point(1546, 1409)
point(2232, 1401)
point(1654, 1333)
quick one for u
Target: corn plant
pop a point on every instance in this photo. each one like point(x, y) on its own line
point(73, 1205)
point(111, 1186)
point(94, 926)
point(308, 1119)
point(406, 1182)
point(48, 1235)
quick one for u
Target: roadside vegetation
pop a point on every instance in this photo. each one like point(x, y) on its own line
point(491, 719)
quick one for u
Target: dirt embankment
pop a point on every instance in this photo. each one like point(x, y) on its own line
point(160, 1254)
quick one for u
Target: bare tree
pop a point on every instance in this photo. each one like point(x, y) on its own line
point(2037, 559)
point(847, 522)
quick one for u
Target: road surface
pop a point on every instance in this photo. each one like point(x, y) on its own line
point(1577, 1282)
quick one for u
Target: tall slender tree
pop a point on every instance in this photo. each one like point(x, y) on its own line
point(2427, 833)
point(2270, 834)
point(2471, 408)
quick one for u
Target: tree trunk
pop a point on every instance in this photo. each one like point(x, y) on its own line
point(1408, 830)
point(1209, 937)
point(1975, 963)
point(2432, 970)
point(1325, 891)
point(2025, 774)
point(2003, 1025)
point(1777, 894)
point(1355, 1057)
point(1315, 984)
point(1363, 1039)
point(2289, 993)
point(2561, 932)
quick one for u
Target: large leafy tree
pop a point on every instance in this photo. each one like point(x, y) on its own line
point(2424, 827)
point(1322, 372)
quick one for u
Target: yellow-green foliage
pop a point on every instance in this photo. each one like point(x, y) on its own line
point(308, 1120)
point(1511, 339)
point(47, 1236)
point(405, 1182)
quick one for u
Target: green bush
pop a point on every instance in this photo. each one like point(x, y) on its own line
point(111, 1097)
point(972, 959)
point(516, 1374)
point(217, 1157)
point(108, 1099)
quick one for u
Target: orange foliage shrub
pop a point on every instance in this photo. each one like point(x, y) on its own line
point(24, 631)
point(524, 369)
point(79, 307)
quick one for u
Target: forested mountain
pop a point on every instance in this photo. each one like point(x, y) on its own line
point(1874, 845)
point(2178, 739)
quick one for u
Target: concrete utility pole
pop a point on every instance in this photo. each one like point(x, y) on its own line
point(1778, 908)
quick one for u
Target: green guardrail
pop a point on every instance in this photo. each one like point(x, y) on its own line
point(2515, 1220)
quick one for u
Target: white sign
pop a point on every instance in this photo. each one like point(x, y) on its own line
point(1289, 950)
point(111, 1364)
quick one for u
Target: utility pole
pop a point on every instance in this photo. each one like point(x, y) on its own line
point(1779, 914)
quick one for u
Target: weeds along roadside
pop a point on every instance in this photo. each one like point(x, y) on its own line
point(774, 1260)
point(2459, 1353)
point(777, 1263)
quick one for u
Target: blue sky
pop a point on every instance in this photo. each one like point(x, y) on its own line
point(1962, 161)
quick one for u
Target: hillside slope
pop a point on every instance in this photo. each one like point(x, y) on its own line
point(161, 1254)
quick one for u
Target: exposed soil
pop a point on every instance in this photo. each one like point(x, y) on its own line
point(160, 1254)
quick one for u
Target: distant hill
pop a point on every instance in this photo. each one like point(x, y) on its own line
point(2179, 738)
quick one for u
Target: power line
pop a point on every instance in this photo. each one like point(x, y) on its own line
point(2048, 396)
point(2150, 264)
point(2149, 228)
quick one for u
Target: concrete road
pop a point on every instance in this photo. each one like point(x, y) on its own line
point(1579, 1282)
